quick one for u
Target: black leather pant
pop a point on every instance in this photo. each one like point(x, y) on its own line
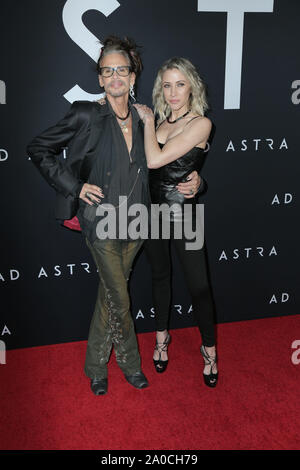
point(194, 265)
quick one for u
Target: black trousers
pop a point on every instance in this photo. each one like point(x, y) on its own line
point(194, 265)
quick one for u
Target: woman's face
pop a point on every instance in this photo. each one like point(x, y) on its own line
point(116, 85)
point(176, 89)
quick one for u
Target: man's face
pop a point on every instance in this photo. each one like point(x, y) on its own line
point(116, 85)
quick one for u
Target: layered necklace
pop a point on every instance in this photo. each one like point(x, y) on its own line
point(178, 119)
point(124, 121)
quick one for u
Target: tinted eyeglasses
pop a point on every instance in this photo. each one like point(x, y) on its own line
point(122, 70)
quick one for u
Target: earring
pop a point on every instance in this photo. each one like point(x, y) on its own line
point(131, 92)
point(102, 100)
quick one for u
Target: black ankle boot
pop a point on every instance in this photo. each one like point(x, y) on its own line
point(138, 380)
point(99, 386)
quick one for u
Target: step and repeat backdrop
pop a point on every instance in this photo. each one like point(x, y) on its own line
point(247, 53)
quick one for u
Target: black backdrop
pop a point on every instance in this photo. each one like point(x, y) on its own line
point(47, 277)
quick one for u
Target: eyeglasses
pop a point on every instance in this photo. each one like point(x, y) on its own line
point(122, 70)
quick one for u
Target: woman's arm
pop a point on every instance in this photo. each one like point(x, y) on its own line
point(194, 134)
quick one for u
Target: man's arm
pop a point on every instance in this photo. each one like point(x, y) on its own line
point(44, 148)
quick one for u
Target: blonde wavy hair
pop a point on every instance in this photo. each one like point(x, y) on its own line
point(198, 102)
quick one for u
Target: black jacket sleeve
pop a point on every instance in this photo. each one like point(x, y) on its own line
point(44, 148)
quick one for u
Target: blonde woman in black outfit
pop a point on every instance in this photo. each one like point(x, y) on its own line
point(174, 149)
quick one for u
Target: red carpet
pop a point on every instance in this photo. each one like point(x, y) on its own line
point(46, 402)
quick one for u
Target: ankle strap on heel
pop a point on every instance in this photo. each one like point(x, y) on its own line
point(164, 345)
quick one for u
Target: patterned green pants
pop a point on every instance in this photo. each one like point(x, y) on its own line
point(112, 323)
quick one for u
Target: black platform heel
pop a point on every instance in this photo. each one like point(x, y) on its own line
point(209, 379)
point(159, 364)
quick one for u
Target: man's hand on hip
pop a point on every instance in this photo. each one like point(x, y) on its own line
point(190, 188)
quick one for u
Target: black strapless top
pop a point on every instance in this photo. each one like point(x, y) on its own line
point(163, 180)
